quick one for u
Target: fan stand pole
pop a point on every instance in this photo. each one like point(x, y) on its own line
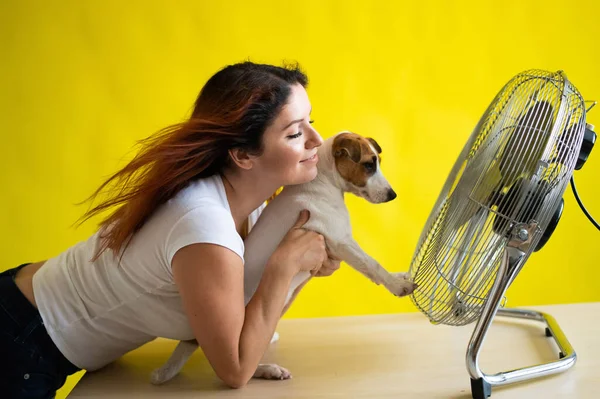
point(481, 383)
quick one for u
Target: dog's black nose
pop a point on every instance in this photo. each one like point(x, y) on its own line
point(391, 194)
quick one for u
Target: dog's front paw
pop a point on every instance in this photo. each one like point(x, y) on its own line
point(401, 284)
point(271, 372)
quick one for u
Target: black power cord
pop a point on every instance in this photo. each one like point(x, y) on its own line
point(581, 204)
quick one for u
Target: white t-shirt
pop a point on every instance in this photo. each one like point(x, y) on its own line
point(95, 312)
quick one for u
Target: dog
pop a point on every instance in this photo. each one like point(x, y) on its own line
point(348, 163)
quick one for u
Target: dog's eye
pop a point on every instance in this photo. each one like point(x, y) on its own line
point(369, 166)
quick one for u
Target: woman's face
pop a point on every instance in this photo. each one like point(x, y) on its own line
point(290, 143)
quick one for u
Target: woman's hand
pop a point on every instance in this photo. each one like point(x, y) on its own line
point(300, 249)
point(330, 265)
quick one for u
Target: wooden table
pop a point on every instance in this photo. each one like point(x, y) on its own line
point(379, 356)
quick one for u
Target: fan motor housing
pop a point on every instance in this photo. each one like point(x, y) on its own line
point(589, 139)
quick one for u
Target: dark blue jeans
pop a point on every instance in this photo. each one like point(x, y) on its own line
point(31, 366)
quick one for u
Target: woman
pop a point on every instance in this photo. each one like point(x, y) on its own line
point(168, 262)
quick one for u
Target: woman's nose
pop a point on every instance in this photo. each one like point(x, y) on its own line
point(315, 140)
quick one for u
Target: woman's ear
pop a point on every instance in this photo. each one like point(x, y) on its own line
point(242, 158)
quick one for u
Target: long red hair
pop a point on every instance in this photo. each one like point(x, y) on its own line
point(232, 110)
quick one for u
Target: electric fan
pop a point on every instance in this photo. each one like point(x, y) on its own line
point(501, 202)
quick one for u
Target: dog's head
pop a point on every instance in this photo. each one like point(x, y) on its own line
point(357, 161)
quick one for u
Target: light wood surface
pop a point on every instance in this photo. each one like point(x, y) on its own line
point(379, 356)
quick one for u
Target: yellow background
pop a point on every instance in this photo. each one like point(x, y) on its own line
point(83, 80)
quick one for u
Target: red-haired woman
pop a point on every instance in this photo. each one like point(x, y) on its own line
point(168, 261)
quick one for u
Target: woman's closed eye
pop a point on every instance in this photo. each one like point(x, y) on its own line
point(296, 135)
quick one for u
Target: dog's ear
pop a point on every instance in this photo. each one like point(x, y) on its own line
point(347, 147)
point(375, 145)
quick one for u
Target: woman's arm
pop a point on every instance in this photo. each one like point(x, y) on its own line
point(233, 338)
point(210, 279)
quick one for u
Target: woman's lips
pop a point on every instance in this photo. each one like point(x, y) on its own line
point(314, 158)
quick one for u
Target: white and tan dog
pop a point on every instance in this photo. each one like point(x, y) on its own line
point(347, 163)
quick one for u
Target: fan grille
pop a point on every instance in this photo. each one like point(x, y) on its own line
point(513, 169)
